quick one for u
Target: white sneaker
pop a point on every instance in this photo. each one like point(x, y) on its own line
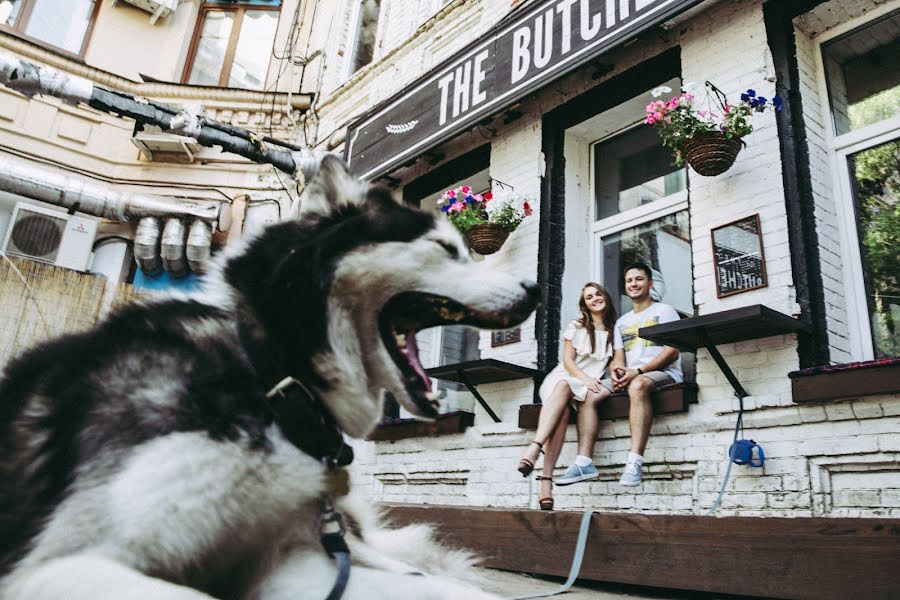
point(632, 475)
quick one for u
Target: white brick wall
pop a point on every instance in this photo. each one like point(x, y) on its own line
point(831, 459)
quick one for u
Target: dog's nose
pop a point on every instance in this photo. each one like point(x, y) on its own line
point(532, 289)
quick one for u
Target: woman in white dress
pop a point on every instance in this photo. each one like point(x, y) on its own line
point(587, 350)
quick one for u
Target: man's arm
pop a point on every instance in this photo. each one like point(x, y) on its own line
point(668, 356)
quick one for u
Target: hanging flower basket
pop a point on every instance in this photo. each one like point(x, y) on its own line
point(486, 238)
point(485, 222)
point(709, 139)
point(710, 153)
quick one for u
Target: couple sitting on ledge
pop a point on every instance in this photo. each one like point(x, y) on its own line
point(602, 355)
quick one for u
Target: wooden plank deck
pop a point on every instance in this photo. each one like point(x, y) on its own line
point(771, 557)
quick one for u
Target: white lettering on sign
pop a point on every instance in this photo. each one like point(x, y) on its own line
point(463, 86)
point(540, 54)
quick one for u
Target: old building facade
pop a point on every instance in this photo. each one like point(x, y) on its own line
point(559, 141)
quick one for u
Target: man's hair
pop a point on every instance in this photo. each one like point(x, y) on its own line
point(638, 265)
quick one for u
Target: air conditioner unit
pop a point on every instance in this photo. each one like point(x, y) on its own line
point(50, 236)
point(157, 8)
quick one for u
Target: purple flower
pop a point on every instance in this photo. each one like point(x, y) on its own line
point(777, 102)
point(745, 97)
point(751, 93)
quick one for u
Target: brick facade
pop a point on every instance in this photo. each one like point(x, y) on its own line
point(831, 459)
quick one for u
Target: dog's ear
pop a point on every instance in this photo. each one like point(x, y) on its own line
point(331, 189)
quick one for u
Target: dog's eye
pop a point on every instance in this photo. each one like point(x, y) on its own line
point(452, 250)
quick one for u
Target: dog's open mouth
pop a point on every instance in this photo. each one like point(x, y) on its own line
point(403, 316)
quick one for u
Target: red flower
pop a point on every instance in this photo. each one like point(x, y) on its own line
point(488, 196)
point(528, 210)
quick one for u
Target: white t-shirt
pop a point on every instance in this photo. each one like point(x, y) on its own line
point(638, 351)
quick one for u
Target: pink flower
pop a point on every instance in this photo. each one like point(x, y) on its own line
point(465, 189)
point(451, 193)
point(457, 207)
point(478, 198)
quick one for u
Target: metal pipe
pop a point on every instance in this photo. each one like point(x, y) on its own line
point(171, 248)
point(199, 242)
point(146, 246)
point(101, 200)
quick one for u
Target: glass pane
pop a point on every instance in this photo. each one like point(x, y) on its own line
point(864, 74)
point(665, 245)
point(61, 23)
point(251, 58)
point(9, 10)
point(876, 179)
point(211, 49)
point(634, 169)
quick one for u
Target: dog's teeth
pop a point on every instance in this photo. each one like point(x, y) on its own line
point(400, 339)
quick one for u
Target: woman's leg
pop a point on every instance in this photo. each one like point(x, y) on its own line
point(552, 450)
point(589, 421)
point(553, 409)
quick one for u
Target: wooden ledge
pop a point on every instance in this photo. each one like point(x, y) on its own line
point(391, 430)
point(668, 400)
point(843, 382)
point(485, 370)
point(772, 557)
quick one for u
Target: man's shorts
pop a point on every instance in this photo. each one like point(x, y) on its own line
point(660, 378)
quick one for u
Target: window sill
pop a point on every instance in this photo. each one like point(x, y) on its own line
point(391, 430)
point(847, 381)
point(669, 400)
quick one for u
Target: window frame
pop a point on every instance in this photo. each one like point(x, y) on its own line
point(25, 15)
point(631, 218)
point(839, 149)
point(354, 32)
point(239, 9)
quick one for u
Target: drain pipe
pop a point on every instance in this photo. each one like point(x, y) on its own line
point(146, 247)
point(171, 248)
point(198, 247)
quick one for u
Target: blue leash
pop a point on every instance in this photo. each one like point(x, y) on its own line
point(576, 559)
point(739, 453)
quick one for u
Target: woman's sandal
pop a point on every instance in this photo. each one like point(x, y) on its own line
point(546, 503)
point(526, 466)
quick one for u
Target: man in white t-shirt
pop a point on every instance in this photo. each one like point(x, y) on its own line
point(641, 366)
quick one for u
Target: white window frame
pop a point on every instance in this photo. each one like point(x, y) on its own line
point(634, 217)
point(839, 148)
point(353, 32)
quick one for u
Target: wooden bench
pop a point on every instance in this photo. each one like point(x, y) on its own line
point(669, 399)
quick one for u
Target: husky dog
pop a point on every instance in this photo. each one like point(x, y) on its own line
point(186, 448)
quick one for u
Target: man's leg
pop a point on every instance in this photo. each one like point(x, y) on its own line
point(640, 415)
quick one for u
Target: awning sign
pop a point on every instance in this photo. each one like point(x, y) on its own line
point(515, 58)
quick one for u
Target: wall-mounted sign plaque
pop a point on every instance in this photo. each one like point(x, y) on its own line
point(738, 257)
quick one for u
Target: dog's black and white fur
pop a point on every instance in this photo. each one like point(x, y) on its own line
point(143, 459)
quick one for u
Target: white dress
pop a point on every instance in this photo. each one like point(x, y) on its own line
point(593, 364)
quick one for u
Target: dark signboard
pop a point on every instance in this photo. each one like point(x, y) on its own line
point(526, 52)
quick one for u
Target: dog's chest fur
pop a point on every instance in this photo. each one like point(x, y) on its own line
point(192, 509)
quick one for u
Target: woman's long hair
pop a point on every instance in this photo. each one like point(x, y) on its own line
point(609, 315)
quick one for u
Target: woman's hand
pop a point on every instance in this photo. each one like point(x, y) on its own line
point(622, 377)
point(592, 384)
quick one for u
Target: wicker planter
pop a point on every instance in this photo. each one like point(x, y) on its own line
point(486, 238)
point(711, 153)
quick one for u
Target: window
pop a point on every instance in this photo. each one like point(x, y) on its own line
point(65, 24)
point(233, 44)
point(863, 83)
point(641, 214)
point(365, 35)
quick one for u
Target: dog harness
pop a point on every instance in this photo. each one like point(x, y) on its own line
point(311, 427)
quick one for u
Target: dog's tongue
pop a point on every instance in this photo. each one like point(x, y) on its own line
point(412, 354)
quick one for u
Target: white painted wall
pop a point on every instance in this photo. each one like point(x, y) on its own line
point(840, 459)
